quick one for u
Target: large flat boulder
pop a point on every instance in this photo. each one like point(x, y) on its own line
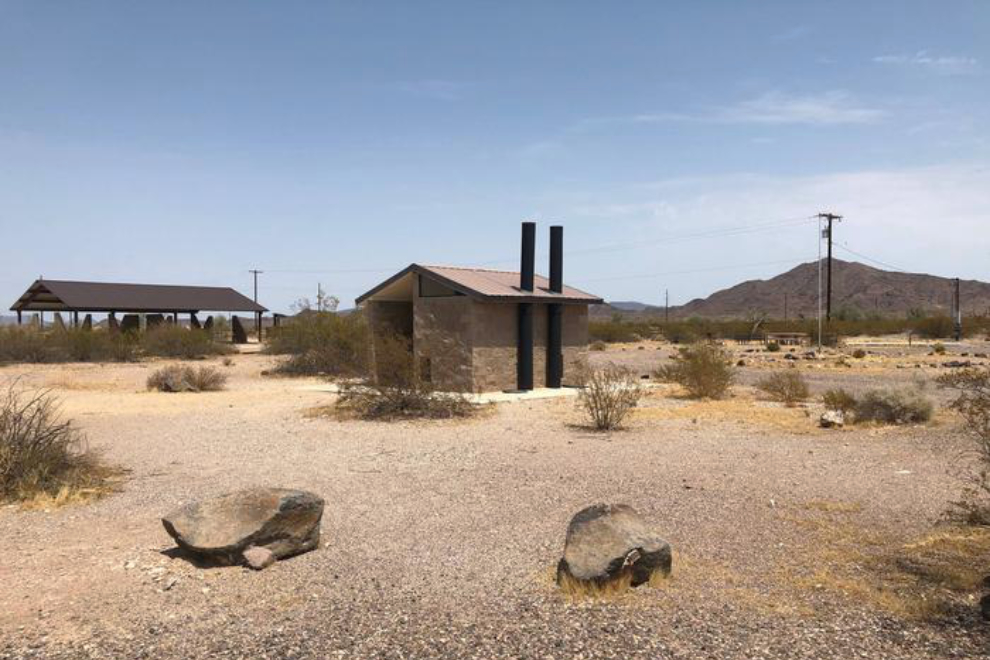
point(610, 542)
point(282, 521)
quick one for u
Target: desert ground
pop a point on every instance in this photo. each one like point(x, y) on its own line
point(440, 539)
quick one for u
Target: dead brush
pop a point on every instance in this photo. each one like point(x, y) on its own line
point(972, 402)
point(398, 390)
point(787, 387)
point(608, 396)
point(44, 458)
point(181, 378)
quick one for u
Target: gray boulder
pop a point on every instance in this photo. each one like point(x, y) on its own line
point(608, 541)
point(277, 520)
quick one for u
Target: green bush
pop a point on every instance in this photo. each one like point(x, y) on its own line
point(894, 406)
point(182, 378)
point(938, 348)
point(773, 347)
point(614, 331)
point(704, 370)
point(41, 454)
point(840, 400)
point(177, 342)
point(859, 354)
point(322, 343)
point(608, 396)
point(787, 387)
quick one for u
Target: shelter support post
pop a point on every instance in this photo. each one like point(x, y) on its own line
point(19, 319)
point(75, 319)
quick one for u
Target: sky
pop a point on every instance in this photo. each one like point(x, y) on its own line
point(685, 146)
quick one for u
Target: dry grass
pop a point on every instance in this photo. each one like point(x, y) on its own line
point(929, 578)
point(743, 410)
point(44, 460)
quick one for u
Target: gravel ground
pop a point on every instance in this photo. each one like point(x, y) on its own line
point(440, 538)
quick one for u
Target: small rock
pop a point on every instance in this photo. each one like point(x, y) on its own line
point(832, 419)
point(258, 558)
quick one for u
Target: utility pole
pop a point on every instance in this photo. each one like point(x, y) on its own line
point(829, 217)
point(956, 310)
point(666, 305)
point(256, 273)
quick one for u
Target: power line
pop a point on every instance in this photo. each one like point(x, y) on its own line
point(702, 270)
point(845, 246)
point(616, 247)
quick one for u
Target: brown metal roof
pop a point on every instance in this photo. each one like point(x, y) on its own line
point(491, 285)
point(62, 295)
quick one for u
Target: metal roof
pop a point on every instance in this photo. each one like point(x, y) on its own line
point(489, 285)
point(62, 295)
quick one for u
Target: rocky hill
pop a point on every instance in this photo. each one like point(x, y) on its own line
point(855, 286)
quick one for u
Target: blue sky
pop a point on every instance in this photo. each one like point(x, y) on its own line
point(682, 145)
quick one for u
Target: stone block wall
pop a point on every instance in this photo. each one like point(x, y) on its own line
point(442, 341)
point(495, 339)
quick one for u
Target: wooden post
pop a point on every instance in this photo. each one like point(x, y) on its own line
point(18, 317)
point(75, 319)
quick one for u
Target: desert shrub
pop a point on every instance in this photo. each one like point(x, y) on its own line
point(894, 406)
point(608, 396)
point(938, 348)
point(972, 389)
point(859, 354)
point(614, 331)
point(40, 453)
point(788, 387)
point(704, 370)
point(933, 327)
point(183, 378)
point(773, 347)
point(322, 343)
point(32, 345)
point(177, 342)
point(598, 346)
point(840, 400)
point(397, 390)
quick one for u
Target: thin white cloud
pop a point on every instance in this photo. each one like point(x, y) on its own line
point(835, 107)
point(772, 108)
point(930, 219)
point(950, 65)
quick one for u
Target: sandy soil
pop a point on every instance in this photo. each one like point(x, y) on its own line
point(440, 538)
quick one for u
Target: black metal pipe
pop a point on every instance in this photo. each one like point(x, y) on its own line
point(555, 348)
point(557, 259)
point(528, 258)
point(524, 352)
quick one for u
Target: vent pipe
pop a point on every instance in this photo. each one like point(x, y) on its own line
point(528, 259)
point(557, 259)
point(555, 311)
point(524, 347)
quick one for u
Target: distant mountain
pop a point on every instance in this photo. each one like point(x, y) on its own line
point(629, 306)
point(855, 286)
